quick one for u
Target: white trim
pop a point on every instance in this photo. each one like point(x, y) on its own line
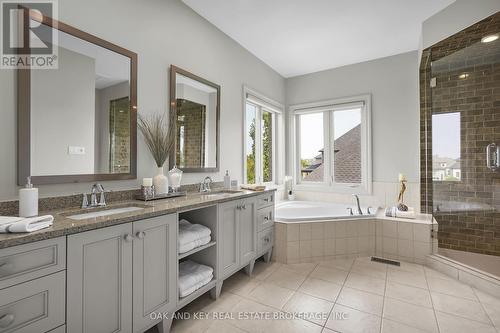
point(265, 103)
point(327, 107)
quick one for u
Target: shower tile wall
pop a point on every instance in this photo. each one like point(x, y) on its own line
point(467, 80)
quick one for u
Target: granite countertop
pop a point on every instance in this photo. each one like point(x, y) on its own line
point(65, 226)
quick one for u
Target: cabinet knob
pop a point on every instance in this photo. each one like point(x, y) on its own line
point(128, 238)
point(266, 199)
point(266, 218)
point(6, 320)
point(140, 234)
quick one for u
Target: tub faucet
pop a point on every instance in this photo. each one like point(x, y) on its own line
point(358, 206)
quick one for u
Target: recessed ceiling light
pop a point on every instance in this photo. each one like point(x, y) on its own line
point(489, 38)
point(463, 76)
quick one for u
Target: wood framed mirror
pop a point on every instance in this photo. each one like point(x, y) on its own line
point(78, 123)
point(195, 107)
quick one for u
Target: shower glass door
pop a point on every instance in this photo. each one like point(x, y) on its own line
point(464, 131)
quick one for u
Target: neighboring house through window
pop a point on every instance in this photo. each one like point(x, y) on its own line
point(332, 144)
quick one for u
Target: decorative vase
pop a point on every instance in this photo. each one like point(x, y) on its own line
point(160, 182)
point(175, 176)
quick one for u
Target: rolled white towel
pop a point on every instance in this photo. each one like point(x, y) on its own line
point(21, 224)
point(192, 274)
point(189, 232)
point(395, 212)
point(183, 248)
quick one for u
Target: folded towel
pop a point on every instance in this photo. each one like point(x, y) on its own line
point(253, 187)
point(395, 212)
point(21, 224)
point(193, 276)
point(189, 233)
point(183, 248)
point(189, 291)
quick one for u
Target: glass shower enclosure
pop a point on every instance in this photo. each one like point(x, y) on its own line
point(460, 140)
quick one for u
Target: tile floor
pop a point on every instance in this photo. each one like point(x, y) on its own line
point(345, 295)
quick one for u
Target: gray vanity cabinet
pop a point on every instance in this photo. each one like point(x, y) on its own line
point(99, 280)
point(229, 256)
point(155, 268)
point(238, 228)
point(248, 231)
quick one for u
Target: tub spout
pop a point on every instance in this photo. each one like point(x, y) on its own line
point(358, 206)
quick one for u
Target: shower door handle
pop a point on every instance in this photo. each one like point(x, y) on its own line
point(493, 157)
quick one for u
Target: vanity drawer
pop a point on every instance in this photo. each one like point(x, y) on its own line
point(30, 261)
point(265, 218)
point(265, 200)
point(265, 240)
point(33, 306)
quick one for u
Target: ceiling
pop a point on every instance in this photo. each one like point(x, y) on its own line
point(297, 37)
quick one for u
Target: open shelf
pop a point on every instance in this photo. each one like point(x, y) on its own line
point(183, 301)
point(193, 251)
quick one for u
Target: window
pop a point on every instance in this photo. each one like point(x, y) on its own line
point(263, 119)
point(446, 147)
point(332, 144)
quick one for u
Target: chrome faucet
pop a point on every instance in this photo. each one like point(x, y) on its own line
point(97, 188)
point(358, 206)
point(205, 185)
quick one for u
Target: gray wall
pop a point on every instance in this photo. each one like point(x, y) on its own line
point(457, 16)
point(63, 115)
point(162, 32)
point(393, 84)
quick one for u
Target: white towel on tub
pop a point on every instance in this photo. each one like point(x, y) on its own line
point(25, 224)
point(193, 276)
point(192, 235)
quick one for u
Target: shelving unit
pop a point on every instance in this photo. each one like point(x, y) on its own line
point(205, 254)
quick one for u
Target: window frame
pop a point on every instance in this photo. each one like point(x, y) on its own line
point(328, 107)
point(264, 104)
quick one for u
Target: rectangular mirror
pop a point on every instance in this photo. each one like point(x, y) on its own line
point(78, 123)
point(195, 104)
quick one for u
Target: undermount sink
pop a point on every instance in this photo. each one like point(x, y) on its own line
point(105, 212)
point(221, 192)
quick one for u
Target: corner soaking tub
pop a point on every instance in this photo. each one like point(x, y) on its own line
point(310, 211)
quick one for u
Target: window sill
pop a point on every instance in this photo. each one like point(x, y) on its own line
point(362, 190)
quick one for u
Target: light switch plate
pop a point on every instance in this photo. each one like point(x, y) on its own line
point(75, 150)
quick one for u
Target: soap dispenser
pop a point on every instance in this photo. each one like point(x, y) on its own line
point(227, 181)
point(28, 200)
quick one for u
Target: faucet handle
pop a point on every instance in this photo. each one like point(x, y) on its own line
point(368, 210)
point(350, 211)
point(85, 201)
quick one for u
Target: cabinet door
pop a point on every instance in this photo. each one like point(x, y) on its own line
point(228, 239)
point(155, 269)
point(99, 280)
point(248, 231)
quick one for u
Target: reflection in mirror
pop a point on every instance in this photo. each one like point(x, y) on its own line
point(81, 112)
point(196, 106)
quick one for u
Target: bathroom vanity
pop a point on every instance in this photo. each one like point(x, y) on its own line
point(119, 273)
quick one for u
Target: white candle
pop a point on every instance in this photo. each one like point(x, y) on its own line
point(147, 181)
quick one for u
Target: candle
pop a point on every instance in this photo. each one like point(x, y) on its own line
point(147, 182)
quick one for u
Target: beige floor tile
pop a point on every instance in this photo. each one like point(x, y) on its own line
point(320, 288)
point(219, 326)
point(410, 314)
point(190, 325)
point(286, 278)
point(292, 326)
point(408, 294)
point(225, 303)
point(247, 307)
point(493, 311)
point(340, 263)
point(271, 295)
point(486, 298)
point(262, 270)
point(407, 267)
point(453, 324)
point(365, 283)
point(347, 320)
point(240, 284)
point(408, 278)
point(390, 326)
point(373, 269)
point(301, 268)
point(451, 287)
point(361, 300)
point(459, 307)
point(329, 274)
point(317, 309)
point(432, 273)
